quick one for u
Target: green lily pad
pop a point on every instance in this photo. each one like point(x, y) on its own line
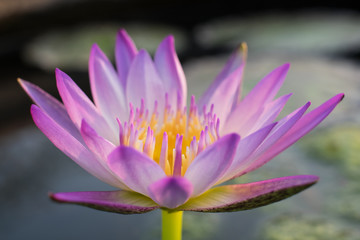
point(299, 227)
point(339, 145)
point(344, 201)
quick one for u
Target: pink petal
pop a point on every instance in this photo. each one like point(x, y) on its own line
point(300, 128)
point(210, 165)
point(240, 197)
point(135, 169)
point(171, 72)
point(125, 52)
point(100, 147)
point(252, 105)
point(144, 82)
point(283, 126)
point(72, 147)
point(236, 61)
point(96, 144)
point(52, 107)
point(225, 95)
point(123, 202)
point(276, 133)
point(244, 150)
point(171, 192)
point(107, 91)
point(271, 111)
point(79, 107)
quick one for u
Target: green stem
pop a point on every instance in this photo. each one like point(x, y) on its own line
point(171, 225)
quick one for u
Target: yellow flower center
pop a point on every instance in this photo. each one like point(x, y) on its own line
point(173, 142)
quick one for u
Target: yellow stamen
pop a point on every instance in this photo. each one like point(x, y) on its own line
point(158, 139)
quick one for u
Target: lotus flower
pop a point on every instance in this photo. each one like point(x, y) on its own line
point(139, 136)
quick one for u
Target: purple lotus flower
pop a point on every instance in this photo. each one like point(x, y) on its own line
point(139, 137)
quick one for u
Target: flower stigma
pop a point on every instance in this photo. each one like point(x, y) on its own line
point(172, 139)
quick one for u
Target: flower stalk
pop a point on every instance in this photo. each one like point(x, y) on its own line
point(171, 225)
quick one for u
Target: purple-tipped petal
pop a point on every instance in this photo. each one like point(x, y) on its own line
point(79, 107)
point(298, 130)
point(51, 106)
point(143, 82)
point(245, 149)
point(125, 52)
point(281, 128)
point(210, 165)
point(268, 87)
point(237, 60)
point(171, 72)
point(107, 91)
point(226, 93)
point(252, 105)
point(134, 168)
point(123, 202)
point(72, 147)
point(271, 111)
point(97, 144)
point(171, 192)
point(240, 197)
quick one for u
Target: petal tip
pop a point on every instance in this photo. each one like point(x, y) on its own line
point(95, 53)
point(171, 192)
point(56, 197)
point(311, 178)
point(341, 96)
point(24, 84)
point(169, 40)
point(20, 81)
point(94, 48)
point(286, 65)
point(59, 75)
point(122, 33)
point(33, 109)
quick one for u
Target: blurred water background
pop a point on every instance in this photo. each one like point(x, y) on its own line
point(322, 43)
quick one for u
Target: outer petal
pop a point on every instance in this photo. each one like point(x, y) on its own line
point(72, 147)
point(125, 52)
point(79, 107)
point(171, 72)
point(100, 147)
point(283, 126)
point(123, 202)
point(135, 169)
point(302, 127)
point(210, 165)
point(144, 82)
point(51, 106)
point(252, 105)
point(244, 150)
point(276, 133)
point(240, 197)
point(97, 144)
point(225, 95)
point(237, 59)
point(271, 111)
point(107, 91)
point(171, 192)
